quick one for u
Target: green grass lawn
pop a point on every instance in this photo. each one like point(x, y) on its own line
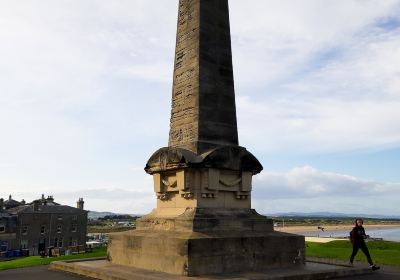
point(36, 260)
point(382, 252)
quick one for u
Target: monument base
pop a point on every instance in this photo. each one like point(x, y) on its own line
point(224, 241)
point(104, 270)
point(227, 244)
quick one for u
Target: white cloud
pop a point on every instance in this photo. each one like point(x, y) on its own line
point(122, 200)
point(274, 40)
point(325, 81)
point(73, 103)
point(306, 189)
point(308, 182)
point(324, 125)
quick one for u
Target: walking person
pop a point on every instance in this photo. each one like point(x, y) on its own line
point(357, 237)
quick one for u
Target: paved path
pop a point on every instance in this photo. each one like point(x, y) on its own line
point(386, 273)
point(41, 273)
point(36, 273)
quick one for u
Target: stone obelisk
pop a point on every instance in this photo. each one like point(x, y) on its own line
point(203, 113)
point(203, 222)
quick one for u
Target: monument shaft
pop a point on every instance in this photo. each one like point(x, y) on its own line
point(203, 222)
point(203, 114)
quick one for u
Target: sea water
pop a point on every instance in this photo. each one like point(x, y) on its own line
point(388, 234)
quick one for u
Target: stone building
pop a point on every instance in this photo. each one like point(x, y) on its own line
point(11, 203)
point(8, 225)
point(42, 224)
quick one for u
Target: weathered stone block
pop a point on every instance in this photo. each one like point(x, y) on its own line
point(201, 254)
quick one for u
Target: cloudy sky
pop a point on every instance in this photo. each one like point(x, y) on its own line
point(85, 90)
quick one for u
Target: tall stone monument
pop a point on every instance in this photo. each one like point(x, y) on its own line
point(203, 222)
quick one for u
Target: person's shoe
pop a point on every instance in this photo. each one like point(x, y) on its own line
point(374, 267)
point(351, 264)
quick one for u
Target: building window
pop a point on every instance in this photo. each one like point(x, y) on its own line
point(2, 228)
point(74, 217)
point(59, 229)
point(59, 217)
point(42, 229)
point(24, 244)
point(73, 242)
point(25, 230)
point(58, 242)
point(3, 246)
point(74, 227)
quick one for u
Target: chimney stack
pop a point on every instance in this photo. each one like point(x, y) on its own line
point(80, 203)
point(36, 205)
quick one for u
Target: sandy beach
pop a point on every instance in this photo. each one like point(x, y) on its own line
point(311, 230)
point(299, 229)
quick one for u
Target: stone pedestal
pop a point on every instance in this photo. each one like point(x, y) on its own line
point(203, 223)
point(203, 241)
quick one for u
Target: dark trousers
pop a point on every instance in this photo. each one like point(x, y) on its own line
point(363, 247)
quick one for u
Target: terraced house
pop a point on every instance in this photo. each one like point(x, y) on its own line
point(34, 228)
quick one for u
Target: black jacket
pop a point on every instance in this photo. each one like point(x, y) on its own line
point(358, 234)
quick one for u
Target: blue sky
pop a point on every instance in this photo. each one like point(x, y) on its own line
point(85, 92)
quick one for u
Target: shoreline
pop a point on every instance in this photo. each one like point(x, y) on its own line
point(330, 228)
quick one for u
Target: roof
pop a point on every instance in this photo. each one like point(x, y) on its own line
point(51, 209)
point(46, 201)
point(11, 203)
point(4, 215)
point(16, 210)
point(45, 205)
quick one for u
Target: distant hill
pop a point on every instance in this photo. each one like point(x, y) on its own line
point(332, 215)
point(94, 215)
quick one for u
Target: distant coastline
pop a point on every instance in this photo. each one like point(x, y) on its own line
point(376, 232)
point(331, 228)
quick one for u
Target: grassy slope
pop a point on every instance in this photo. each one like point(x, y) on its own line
point(36, 260)
point(382, 252)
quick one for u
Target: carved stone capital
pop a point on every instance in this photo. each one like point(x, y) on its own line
point(203, 187)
